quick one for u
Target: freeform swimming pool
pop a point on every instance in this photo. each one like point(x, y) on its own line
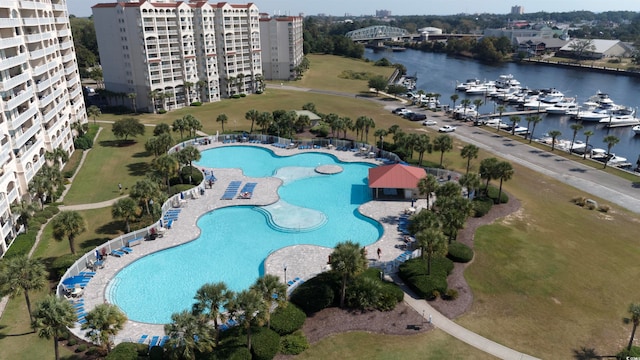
point(314, 209)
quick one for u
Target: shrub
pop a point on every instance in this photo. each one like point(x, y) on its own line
point(156, 353)
point(287, 319)
point(235, 96)
point(259, 92)
point(492, 193)
point(313, 295)
point(451, 294)
point(50, 211)
point(83, 142)
point(414, 273)
point(196, 175)
point(604, 208)
point(265, 344)
point(72, 341)
point(67, 174)
point(591, 206)
point(82, 348)
point(429, 286)
point(481, 206)
point(459, 252)
point(243, 95)
point(196, 103)
point(60, 265)
point(626, 354)
point(294, 344)
point(241, 353)
point(94, 351)
point(162, 111)
point(124, 351)
point(579, 200)
point(21, 245)
point(363, 293)
point(39, 219)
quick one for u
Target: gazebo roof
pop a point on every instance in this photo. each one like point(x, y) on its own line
point(395, 176)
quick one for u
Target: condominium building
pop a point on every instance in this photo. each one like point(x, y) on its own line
point(171, 53)
point(517, 10)
point(282, 46)
point(40, 96)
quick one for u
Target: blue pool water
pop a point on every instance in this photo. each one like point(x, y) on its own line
point(236, 240)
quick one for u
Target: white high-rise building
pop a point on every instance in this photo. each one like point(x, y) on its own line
point(282, 46)
point(517, 10)
point(171, 53)
point(40, 96)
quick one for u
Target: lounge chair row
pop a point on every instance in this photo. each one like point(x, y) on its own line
point(404, 256)
point(154, 341)
point(229, 141)
point(247, 190)
point(122, 251)
point(229, 324)
point(231, 190)
point(296, 281)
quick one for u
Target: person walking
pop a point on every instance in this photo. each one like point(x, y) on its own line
point(379, 253)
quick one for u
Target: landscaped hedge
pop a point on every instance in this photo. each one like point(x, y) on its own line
point(196, 103)
point(459, 252)
point(60, 265)
point(414, 274)
point(124, 351)
point(481, 206)
point(316, 293)
point(287, 319)
point(156, 353)
point(294, 344)
point(83, 142)
point(265, 344)
point(385, 295)
point(241, 353)
point(22, 244)
point(493, 194)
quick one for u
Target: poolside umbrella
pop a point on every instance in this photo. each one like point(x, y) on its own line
point(181, 196)
point(97, 254)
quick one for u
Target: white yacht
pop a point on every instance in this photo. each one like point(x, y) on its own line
point(468, 83)
point(562, 108)
point(506, 81)
point(636, 129)
point(620, 120)
point(481, 89)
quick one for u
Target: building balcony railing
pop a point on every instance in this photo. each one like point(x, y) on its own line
point(23, 96)
point(22, 118)
point(4, 206)
point(13, 82)
point(6, 229)
point(67, 58)
point(73, 94)
point(31, 21)
point(8, 23)
point(13, 61)
point(13, 195)
point(72, 81)
point(10, 42)
point(66, 45)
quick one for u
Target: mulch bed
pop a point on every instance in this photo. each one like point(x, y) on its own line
point(403, 320)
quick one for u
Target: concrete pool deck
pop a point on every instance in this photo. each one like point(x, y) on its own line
point(302, 261)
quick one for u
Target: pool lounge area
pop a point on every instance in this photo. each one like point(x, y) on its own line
point(302, 261)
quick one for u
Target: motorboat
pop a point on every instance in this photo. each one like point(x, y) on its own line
point(495, 123)
point(562, 108)
point(620, 120)
point(636, 129)
point(468, 83)
point(611, 159)
point(506, 81)
point(481, 89)
point(552, 96)
point(461, 112)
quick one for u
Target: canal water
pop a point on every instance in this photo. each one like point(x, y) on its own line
point(438, 73)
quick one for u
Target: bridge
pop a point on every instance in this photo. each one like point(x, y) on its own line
point(378, 32)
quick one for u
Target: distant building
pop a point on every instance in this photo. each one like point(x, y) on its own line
point(281, 43)
point(538, 46)
point(601, 49)
point(171, 53)
point(517, 10)
point(541, 31)
point(383, 13)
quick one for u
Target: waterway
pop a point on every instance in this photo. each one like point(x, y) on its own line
point(438, 73)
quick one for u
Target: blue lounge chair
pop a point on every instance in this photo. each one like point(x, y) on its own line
point(143, 338)
point(154, 341)
point(117, 253)
point(87, 274)
point(163, 340)
point(126, 249)
point(170, 224)
point(82, 321)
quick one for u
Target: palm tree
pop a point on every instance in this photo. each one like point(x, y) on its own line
point(104, 322)
point(368, 124)
point(347, 260)
point(252, 115)
point(20, 274)
point(610, 140)
point(422, 145)
point(248, 309)
point(514, 120)
point(40, 186)
point(24, 211)
point(471, 181)
point(410, 142)
point(634, 319)
point(264, 120)
point(426, 186)
point(465, 104)
point(68, 224)
point(200, 85)
point(188, 155)
point(57, 157)
point(504, 172)
point(501, 109)
point(454, 98)
point(588, 134)
point(477, 103)
point(423, 220)
point(124, 209)
point(469, 152)
point(143, 191)
point(449, 189)
point(442, 143)
point(554, 135)
point(168, 166)
point(179, 125)
point(380, 133)
point(210, 298)
point(53, 315)
point(188, 335)
point(222, 119)
point(488, 170)
point(271, 289)
point(187, 91)
point(535, 119)
point(154, 95)
point(133, 96)
point(575, 128)
point(432, 242)
point(347, 124)
point(93, 111)
point(453, 213)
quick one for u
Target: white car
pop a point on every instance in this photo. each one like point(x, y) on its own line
point(429, 122)
point(447, 128)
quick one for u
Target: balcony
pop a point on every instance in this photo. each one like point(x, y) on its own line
point(74, 80)
point(67, 58)
point(8, 226)
point(31, 21)
point(4, 206)
point(73, 94)
point(61, 20)
point(27, 4)
point(66, 45)
point(64, 32)
point(13, 195)
point(44, 101)
point(14, 81)
point(6, 178)
point(22, 118)
point(8, 23)
point(23, 96)
point(10, 42)
point(22, 140)
point(49, 115)
point(13, 61)
point(59, 7)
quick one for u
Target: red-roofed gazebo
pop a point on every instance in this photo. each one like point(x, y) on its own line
point(395, 181)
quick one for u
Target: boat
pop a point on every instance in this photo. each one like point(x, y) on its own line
point(495, 123)
point(636, 129)
point(598, 107)
point(460, 112)
point(611, 159)
point(620, 121)
point(506, 81)
point(468, 83)
point(562, 108)
point(481, 89)
point(552, 96)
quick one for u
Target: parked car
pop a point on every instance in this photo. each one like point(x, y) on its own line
point(407, 113)
point(447, 128)
point(398, 110)
point(416, 117)
point(403, 112)
point(429, 122)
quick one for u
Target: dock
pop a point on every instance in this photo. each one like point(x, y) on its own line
point(511, 113)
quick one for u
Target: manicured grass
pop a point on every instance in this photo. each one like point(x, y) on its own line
point(555, 277)
point(434, 345)
point(108, 164)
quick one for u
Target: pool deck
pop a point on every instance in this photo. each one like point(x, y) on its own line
point(302, 261)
